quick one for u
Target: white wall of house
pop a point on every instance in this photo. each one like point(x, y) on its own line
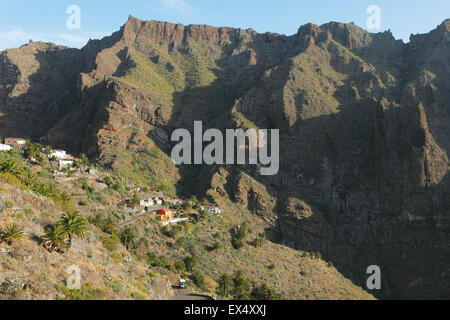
point(65, 163)
point(58, 154)
point(215, 210)
point(147, 203)
point(5, 147)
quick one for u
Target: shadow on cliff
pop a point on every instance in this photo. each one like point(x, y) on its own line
point(358, 170)
point(47, 98)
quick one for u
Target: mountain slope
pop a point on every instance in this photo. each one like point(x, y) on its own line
point(364, 122)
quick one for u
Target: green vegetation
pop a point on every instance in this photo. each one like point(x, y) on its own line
point(73, 224)
point(86, 292)
point(56, 237)
point(241, 288)
point(11, 233)
point(128, 237)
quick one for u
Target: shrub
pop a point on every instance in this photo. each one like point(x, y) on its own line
point(155, 261)
point(190, 263)
point(180, 265)
point(258, 242)
point(116, 257)
point(111, 243)
point(262, 292)
point(237, 244)
point(225, 285)
point(11, 233)
point(198, 279)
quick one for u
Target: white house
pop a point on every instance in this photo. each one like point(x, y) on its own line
point(146, 201)
point(5, 147)
point(213, 210)
point(58, 154)
point(15, 141)
point(65, 163)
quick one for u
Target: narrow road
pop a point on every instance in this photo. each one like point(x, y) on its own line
point(183, 294)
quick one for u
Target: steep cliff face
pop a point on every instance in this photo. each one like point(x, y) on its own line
point(364, 122)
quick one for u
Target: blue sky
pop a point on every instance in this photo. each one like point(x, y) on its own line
point(45, 20)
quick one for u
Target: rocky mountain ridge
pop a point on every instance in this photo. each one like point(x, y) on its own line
point(364, 122)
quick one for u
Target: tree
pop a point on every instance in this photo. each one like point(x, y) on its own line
point(31, 181)
point(96, 220)
point(198, 278)
point(134, 201)
point(47, 151)
point(108, 225)
point(32, 150)
point(10, 166)
point(55, 236)
point(11, 233)
point(84, 161)
point(180, 265)
point(225, 285)
point(262, 292)
point(237, 243)
point(190, 262)
point(74, 224)
point(241, 286)
point(128, 237)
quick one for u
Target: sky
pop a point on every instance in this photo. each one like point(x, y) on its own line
point(74, 22)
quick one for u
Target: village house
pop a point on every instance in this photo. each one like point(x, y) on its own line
point(19, 142)
point(66, 162)
point(93, 172)
point(212, 210)
point(5, 147)
point(165, 214)
point(58, 154)
point(175, 202)
point(146, 201)
point(157, 200)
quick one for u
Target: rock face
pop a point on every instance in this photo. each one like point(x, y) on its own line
point(363, 118)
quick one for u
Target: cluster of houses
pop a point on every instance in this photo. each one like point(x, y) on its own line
point(64, 159)
point(152, 200)
point(11, 143)
point(156, 202)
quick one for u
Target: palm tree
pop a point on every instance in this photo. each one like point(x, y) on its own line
point(108, 225)
point(225, 285)
point(30, 180)
point(55, 236)
point(128, 237)
point(96, 220)
point(13, 232)
point(74, 225)
point(10, 166)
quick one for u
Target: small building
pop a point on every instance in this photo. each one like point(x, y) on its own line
point(157, 200)
point(213, 210)
point(15, 142)
point(93, 172)
point(65, 163)
point(58, 154)
point(166, 214)
point(5, 147)
point(175, 202)
point(146, 201)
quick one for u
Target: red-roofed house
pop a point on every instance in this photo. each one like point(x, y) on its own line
point(166, 214)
